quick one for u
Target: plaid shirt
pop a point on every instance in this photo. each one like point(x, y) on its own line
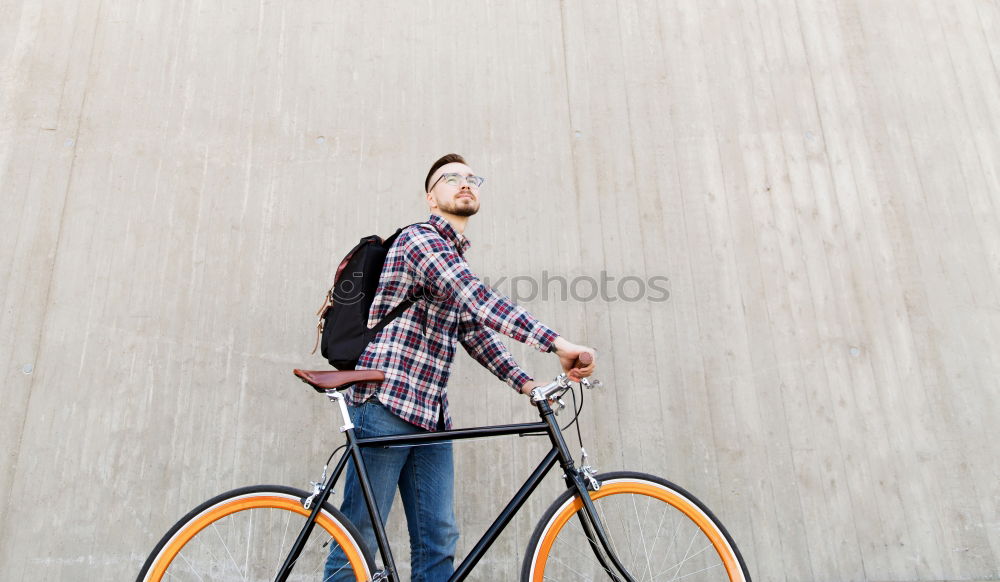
point(416, 350)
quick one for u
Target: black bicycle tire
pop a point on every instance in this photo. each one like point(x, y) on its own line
point(281, 489)
point(565, 495)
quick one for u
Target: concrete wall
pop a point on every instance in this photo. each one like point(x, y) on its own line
point(818, 181)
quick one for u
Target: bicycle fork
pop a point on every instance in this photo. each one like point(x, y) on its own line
point(589, 520)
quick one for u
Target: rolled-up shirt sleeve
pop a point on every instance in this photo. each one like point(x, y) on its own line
point(446, 275)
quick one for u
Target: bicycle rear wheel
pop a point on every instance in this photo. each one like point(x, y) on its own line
point(245, 534)
point(658, 530)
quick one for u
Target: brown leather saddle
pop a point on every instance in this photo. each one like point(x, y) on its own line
point(324, 380)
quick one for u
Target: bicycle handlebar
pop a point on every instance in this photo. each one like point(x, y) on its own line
point(561, 384)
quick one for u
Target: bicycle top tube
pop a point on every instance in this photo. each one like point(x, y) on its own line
point(522, 429)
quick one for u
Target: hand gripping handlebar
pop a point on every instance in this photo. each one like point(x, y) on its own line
point(556, 388)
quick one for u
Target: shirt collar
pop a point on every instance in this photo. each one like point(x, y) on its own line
point(449, 233)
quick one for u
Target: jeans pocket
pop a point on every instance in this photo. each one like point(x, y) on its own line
point(366, 416)
point(357, 414)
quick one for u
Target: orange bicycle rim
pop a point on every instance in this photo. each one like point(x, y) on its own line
point(692, 511)
point(182, 537)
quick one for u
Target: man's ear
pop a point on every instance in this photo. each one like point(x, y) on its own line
point(431, 202)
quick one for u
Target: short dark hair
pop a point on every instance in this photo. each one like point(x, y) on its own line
point(448, 159)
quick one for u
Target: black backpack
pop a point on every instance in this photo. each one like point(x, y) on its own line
point(342, 331)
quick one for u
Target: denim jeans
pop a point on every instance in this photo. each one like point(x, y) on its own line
point(425, 477)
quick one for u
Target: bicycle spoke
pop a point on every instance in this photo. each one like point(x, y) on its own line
point(656, 537)
point(571, 569)
point(687, 555)
point(246, 561)
point(191, 566)
point(225, 546)
point(611, 539)
point(581, 553)
point(628, 539)
point(284, 537)
point(673, 540)
point(642, 536)
point(695, 572)
point(575, 547)
point(337, 571)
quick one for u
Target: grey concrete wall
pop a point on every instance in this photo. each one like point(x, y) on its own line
point(818, 181)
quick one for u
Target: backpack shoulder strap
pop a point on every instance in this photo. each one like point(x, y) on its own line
point(389, 317)
point(392, 238)
point(404, 304)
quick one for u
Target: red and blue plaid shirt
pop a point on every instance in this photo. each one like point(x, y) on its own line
point(416, 349)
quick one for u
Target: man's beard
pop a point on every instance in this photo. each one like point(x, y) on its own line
point(462, 209)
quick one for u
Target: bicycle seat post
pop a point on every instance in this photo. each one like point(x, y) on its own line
point(336, 396)
point(388, 571)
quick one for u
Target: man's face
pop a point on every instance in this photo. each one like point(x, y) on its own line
point(461, 199)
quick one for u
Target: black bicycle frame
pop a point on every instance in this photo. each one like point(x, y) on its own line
point(559, 452)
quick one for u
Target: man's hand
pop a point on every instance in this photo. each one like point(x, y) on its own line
point(568, 353)
point(529, 386)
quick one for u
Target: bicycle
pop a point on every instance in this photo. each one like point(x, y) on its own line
point(628, 526)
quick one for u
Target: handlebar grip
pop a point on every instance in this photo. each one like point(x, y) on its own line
point(584, 359)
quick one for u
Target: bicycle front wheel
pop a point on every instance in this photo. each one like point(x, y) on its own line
point(245, 534)
point(658, 530)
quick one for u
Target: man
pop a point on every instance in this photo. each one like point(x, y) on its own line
point(415, 351)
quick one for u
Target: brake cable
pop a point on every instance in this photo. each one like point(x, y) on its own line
point(576, 415)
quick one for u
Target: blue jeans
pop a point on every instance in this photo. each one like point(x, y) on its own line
point(425, 477)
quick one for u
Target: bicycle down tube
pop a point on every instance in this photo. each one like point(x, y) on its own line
point(558, 453)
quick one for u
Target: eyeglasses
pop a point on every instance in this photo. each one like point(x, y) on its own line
point(453, 179)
